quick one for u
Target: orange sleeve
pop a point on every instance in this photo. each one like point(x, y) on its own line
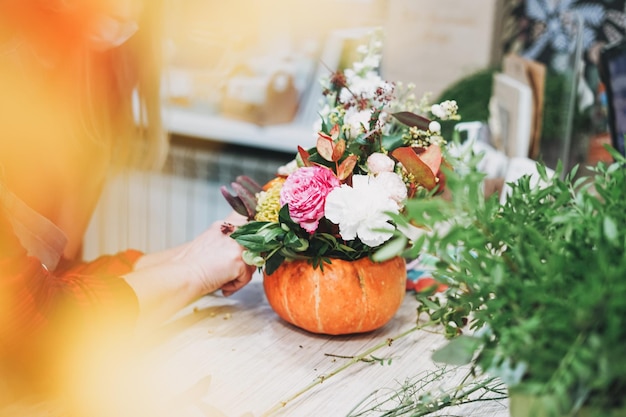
point(45, 317)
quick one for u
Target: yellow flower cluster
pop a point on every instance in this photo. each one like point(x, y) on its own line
point(268, 202)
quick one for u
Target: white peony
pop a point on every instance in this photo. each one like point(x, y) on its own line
point(360, 210)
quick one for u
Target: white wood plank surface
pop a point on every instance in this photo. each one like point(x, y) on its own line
point(234, 357)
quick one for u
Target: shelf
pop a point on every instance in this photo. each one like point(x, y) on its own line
point(283, 138)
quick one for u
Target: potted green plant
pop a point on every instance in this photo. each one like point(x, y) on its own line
point(536, 286)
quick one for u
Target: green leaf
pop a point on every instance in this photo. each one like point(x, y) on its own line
point(610, 230)
point(458, 351)
point(295, 243)
point(253, 258)
point(390, 249)
point(391, 142)
point(254, 243)
point(273, 262)
point(249, 228)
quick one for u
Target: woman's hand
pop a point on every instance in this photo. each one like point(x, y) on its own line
point(167, 281)
point(215, 258)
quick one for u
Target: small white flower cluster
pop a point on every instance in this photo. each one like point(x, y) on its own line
point(372, 55)
point(434, 127)
point(367, 91)
point(355, 122)
point(446, 110)
point(364, 86)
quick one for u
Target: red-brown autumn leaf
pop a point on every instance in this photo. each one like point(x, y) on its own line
point(305, 156)
point(339, 148)
point(346, 167)
point(325, 146)
point(422, 173)
point(334, 132)
point(432, 157)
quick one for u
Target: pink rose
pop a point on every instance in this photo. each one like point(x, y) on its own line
point(305, 192)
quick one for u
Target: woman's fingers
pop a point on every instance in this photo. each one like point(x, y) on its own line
point(238, 283)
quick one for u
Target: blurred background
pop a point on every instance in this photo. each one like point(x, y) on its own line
point(241, 91)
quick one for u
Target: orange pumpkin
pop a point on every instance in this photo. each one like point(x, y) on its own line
point(346, 297)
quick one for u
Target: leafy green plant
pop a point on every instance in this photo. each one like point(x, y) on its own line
point(536, 286)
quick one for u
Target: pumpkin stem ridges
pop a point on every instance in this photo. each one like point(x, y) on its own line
point(364, 301)
point(287, 312)
point(320, 326)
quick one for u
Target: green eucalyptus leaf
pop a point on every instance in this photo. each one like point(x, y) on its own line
point(255, 243)
point(296, 243)
point(249, 228)
point(391, 142)
point(458, 351)
point(610, 230)
point(390, 249)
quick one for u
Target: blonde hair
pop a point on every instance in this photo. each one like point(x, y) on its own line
point(108, 94)
point(131, 119)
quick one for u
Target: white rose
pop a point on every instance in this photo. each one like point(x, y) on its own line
point(393, 186)
point(379, 162)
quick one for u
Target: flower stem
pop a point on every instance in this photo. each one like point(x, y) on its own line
point(421, 398)
point(358, 358)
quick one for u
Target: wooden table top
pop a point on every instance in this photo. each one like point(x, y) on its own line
point(235, 357)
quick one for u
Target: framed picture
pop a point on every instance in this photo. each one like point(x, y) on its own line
point(612, 68)
point(513, 102)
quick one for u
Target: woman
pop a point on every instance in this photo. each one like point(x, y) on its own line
point(68, 73)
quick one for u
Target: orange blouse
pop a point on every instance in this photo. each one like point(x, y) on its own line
point(49, 306)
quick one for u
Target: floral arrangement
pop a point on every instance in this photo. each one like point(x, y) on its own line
point(377, 146)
